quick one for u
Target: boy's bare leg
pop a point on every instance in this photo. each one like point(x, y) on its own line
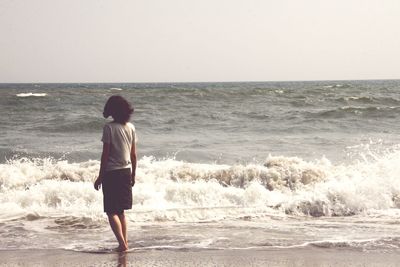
point(116, 227)
point(124, 227)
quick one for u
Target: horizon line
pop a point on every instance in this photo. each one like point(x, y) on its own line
point(192, 82)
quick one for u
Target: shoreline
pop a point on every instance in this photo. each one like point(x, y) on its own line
point(262, 257)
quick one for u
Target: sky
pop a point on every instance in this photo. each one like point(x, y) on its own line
point(198, 40)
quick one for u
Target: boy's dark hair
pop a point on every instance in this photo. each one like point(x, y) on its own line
point(118, 108)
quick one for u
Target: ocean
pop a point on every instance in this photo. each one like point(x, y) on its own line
point(222, 166)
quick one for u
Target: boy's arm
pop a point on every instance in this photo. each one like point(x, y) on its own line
point(103, 164)
point(133, 162)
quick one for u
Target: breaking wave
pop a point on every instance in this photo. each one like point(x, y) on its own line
point(31, 94)
point(171, 190)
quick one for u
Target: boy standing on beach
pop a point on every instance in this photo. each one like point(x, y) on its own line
point(118, 166)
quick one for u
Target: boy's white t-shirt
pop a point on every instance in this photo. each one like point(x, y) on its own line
point(120, 137)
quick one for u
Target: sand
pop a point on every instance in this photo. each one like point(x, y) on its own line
point(290, 257)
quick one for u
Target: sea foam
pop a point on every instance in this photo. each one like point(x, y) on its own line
point(171, 190)
point(31, 94)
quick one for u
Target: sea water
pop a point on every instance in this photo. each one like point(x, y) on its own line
point(221, 165)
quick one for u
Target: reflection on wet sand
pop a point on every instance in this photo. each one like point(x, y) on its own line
point(122, 256)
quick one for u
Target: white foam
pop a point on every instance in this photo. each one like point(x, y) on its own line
point(171, 190)
point(31, 94)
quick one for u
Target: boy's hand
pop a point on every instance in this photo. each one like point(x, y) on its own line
point(133, 180)
point(97, 183)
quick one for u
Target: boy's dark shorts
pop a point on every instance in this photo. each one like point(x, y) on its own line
point(117, 191)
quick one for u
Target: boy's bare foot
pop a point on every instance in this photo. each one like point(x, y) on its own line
point(121, 249)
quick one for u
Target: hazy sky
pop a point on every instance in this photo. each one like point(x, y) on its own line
point(198, 40)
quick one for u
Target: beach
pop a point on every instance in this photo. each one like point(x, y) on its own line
point(239, 258)
point(256, 133)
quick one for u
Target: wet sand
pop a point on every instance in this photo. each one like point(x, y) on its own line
point(290, 257)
